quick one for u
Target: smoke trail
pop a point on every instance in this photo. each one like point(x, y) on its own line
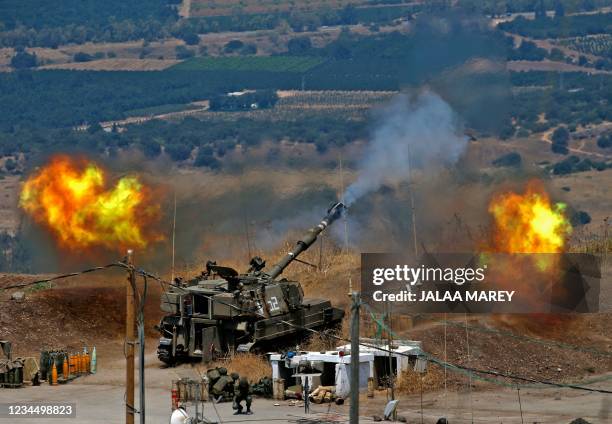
point(418, 132)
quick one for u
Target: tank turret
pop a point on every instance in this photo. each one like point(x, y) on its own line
point(222, 310)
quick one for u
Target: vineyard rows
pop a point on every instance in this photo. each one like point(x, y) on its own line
point(334, 98)
point(600, 44)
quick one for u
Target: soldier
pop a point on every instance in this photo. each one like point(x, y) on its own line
point(242, 393)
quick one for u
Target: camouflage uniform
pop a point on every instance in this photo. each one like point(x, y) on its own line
point(242, 393)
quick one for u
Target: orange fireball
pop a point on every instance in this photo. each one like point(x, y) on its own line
point(74, 200)
point(529, 222)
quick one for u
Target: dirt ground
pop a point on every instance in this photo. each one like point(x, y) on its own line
point(100, 398)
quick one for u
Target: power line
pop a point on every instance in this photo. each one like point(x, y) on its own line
point(430, 358)
point(513, 335)
point(62, 276)
point(530, 339)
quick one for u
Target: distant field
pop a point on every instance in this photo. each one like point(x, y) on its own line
point(115, 65)
point(549, 66)
point(225, 7)
point(250, 63)
point(599, 45)
point(58, 13)
point(160, 110)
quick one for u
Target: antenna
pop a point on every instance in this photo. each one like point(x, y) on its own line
point(411, 185)
point(173, 235)
point(245, 217)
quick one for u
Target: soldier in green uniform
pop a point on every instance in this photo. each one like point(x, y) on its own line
point(242, 393)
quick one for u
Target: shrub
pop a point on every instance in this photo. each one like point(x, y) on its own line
point(559, 149)
point(604, 141)
point(233, 46)
point(178, 152)
point(299, 45)
point(580, 218)
point(24, 60)
point(150, 148)
point(82, 57)
point(248, 49)
point(10, 165)
point(206, 159)
point(560, 136)
point(183, 52)
point(191, 38)
point(512, 159)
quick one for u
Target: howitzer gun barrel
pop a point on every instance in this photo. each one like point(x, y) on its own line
point(307, 240)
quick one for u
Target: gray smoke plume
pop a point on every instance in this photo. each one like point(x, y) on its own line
point(412, 132)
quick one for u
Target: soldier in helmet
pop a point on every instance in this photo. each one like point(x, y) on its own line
point(242, 393)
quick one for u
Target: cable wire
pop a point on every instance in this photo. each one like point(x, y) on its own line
point(62, 276)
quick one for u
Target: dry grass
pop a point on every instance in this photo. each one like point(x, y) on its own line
point(548, 65)
point(115, 65)
point(410, 383)
point(320, 342)
point(248, 365)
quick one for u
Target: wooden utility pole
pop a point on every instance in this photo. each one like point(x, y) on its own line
point(130, 334)
point(354, 408)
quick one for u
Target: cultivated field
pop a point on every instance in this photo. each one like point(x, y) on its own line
point(293, 105)
point(549, 65)
point(116, 65)
point(228, 7)
point(250, 63)
point(600, 44)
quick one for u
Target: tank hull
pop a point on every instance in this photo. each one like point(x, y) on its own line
point(188, 339)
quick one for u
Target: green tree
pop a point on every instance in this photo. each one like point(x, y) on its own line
point(183, 52)
point(604, 141)
point(24, 60)
point(233, 46)
point(82, 57)
point(191, 38)
point(299, 45)
point(560, 136)
point(206, 159)
point(512, 159)
point(178, 152)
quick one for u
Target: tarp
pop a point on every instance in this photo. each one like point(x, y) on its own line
point(6, 365)
point(343, 385)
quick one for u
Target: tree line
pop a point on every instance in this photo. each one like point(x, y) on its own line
point(78, 22)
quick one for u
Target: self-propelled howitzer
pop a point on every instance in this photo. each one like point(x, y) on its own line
point(222, 310)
